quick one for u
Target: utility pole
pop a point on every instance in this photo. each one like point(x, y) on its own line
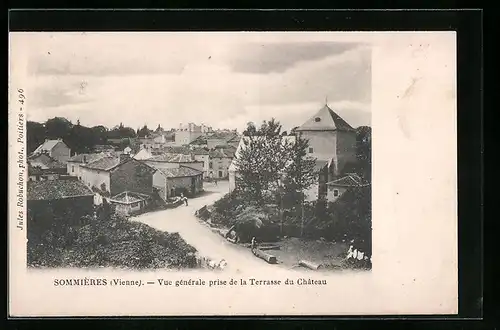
point(302, 217)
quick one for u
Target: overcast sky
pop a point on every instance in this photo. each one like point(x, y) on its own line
point(223, 80)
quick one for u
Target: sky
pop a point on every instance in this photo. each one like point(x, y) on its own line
point(223, 80)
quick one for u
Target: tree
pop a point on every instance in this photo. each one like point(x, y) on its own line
point(364, 151)
point(262, 160)
point(36, 135)
point(300, 173)
point(144, 132)
point(58, 128)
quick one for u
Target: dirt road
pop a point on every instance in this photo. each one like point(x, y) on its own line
point(208, 243)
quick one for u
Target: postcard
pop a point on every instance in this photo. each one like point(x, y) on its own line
point(232, 173)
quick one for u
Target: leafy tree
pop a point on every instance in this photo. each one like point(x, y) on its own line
point(364, 151)
point(300, 173)
point(144, 131)
point(58, 127)
point(36, 135)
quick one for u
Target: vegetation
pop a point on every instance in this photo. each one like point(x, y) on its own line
point(109, 241)
point(78, 137)
point(273, 173)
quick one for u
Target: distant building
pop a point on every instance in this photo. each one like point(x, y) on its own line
point(171, 182)
point(103, 148)
point(220, 138)
point(143, 154)
point(65, 200)
point(186, 134)
point(56, 149)
point(174, 161)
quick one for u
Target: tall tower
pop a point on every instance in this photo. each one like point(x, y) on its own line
point(330, 138)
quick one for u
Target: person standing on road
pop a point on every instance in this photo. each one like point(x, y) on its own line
point(253, 244)
point(215, 181)
point(184, 199)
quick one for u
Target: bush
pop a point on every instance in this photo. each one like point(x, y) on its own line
point(114, 243)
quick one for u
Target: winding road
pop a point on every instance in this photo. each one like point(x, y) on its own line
point(200, 236)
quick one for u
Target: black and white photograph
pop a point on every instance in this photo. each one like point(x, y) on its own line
point(232, 173)
point(226, 152)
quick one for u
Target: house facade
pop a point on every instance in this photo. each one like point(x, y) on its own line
point(171, 182)
point(115, 174)
point(73, 163)
point(56, 149)
point(219, 163)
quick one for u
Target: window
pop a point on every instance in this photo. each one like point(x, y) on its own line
point(211, 165)
point(317, 119)
point(335, 192)
point(311, 150)
point(72, 169)
point(220, 174)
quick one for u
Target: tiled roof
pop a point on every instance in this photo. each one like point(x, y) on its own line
point(200, 151)
point(128, 197)
point(200, 140)
point(350, 180)
point(325, 120)
point(221, 153)
point(320, 164)
point(46, 161)
point(56, 189)
point(87, 158)
point(173, 158)
point(179, 172)
point(223, 136)
point(104, 164)
point(47, 146)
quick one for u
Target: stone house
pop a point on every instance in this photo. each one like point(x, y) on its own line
point(56, 149)
point(171, 182)
point(112, 175)
point(64, 200)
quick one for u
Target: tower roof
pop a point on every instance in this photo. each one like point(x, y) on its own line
point(325, 120)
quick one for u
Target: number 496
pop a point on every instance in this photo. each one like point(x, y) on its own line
point(21, 96)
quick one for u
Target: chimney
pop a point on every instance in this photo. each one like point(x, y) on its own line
point(124, 157)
